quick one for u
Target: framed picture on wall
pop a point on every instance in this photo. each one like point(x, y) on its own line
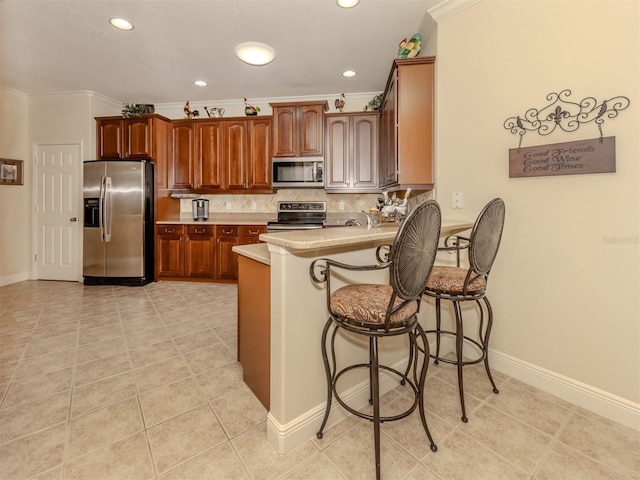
point(11, 172)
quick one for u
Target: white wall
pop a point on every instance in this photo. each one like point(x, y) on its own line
point(565, 297)
point(15, 200)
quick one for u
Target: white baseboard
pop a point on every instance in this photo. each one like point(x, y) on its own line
point(15, 278)
point(611, 406)
point(285, 437)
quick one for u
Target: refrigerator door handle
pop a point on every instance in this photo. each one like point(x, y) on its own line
point(101, 209)
point(108, 203)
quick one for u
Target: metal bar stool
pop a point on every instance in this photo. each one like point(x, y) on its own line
point(459, 284)
point(383, 310)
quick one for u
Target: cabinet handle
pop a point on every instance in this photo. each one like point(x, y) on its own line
point(227, 232)
point(166, 230)
point(254, 232)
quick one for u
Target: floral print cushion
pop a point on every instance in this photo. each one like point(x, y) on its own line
point(451, 280)
point(368, 303)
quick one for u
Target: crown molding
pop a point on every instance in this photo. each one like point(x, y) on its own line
point(448, 8)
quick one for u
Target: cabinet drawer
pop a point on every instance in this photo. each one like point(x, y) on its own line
point(199, 229)
point(227, 230)
point(170, 229)
point(252, 230)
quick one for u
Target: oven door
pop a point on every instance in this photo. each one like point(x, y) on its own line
point(298, 172)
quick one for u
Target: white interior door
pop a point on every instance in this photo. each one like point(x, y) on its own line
point(58, 212)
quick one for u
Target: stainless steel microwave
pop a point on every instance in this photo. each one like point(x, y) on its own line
point(298, 172)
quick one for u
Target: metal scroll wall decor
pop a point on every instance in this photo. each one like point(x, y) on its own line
point(584, 156)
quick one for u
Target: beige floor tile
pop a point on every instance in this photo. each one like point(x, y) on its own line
point(336, 431)
point(442, 398)
point(127, 459)
point(96, 395)
point(221, 381)
point(459, 457)
point(319, 467)
point(153, 353)
point(161, 373)
point(98, 333)
point(55, 331)
point(195, 341)
point(6, 371)
point(101, 349)
point(36, 387)
point(103, 427)
point(227, 332)
point(102, 368)
point(127, 304)
point(17, 338)
point(30, 417)
point(45, 363)
point(170, 400)
point(209, 357)
point(220, 462)
point(53, 474)
point(185, 437)
point(150, 336)
point(353, 455)
point(565, 463)
point(33, 454)
point(604, 441)
point(422, 473)
point(239, 411)
point(52, 344)
point(262, 462)
point(524, 446)
point(95, 321)
point(187, 326)
point(12, 353)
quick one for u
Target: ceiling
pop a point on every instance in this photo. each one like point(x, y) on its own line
point(50, 46)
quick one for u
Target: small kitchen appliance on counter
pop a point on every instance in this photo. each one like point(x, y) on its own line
point(200, 207)
point(299, 216)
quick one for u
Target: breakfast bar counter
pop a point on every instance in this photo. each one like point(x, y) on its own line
point(297, 313)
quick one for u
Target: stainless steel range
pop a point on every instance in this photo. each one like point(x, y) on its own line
point(299, 216)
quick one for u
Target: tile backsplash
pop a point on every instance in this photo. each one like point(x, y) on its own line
point(353, 202)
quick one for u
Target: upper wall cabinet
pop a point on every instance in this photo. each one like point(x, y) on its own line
point(351, 152)
point(406, 126)
point(298, 128)
point(138, 137)
point(221, 156)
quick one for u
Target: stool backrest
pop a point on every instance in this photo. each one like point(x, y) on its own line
point(485, 237)
point(414, 250)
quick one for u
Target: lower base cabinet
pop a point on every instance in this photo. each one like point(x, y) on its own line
point(254, 326)
point(201, 252)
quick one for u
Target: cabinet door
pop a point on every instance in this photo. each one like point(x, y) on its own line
point(236, 154)
point(137, 138)
point(285, 134)
point(364, 152)
point(182, 156)
point(260, 154)
point(199, 252)
point(170, 251)
point(226, 261)
point(110, 139)
point(388, 136)
point(311, 130)
point(337, 153)
point(210, 154)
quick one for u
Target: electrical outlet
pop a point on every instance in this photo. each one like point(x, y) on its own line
point(254, 206)
point(228, 205)
point(341, 205)
point(457, 200)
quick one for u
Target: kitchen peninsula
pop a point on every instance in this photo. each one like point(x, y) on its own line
point(296, 311)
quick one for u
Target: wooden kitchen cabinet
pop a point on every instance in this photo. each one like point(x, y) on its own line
point(170, 251)
point(351, 153)
point(199, 251)
point(250, 233)
point(138, 137)
point(182, 175)
point(298, 128)
point(260, 154)
point(406, 126)
point(227, 236)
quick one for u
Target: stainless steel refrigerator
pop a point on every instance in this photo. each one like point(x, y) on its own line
point(118, 222)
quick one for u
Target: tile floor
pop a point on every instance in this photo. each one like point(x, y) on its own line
point(142, 383)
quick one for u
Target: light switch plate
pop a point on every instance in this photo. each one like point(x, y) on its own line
point(457, 200)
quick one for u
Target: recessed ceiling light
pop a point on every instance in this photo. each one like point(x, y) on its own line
point(349, 74)
point(255, 53)
point(200, 83)
point(121, 23)
point(348, 3)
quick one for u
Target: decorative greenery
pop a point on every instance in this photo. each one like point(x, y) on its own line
point(374, 103)
point(135, 110)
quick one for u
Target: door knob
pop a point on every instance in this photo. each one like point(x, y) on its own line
point(73, 219)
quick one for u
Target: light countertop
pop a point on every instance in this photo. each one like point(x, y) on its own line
point(222, 219)
point(255, 251)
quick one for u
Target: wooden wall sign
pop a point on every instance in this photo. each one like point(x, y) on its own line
point(595, 155)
